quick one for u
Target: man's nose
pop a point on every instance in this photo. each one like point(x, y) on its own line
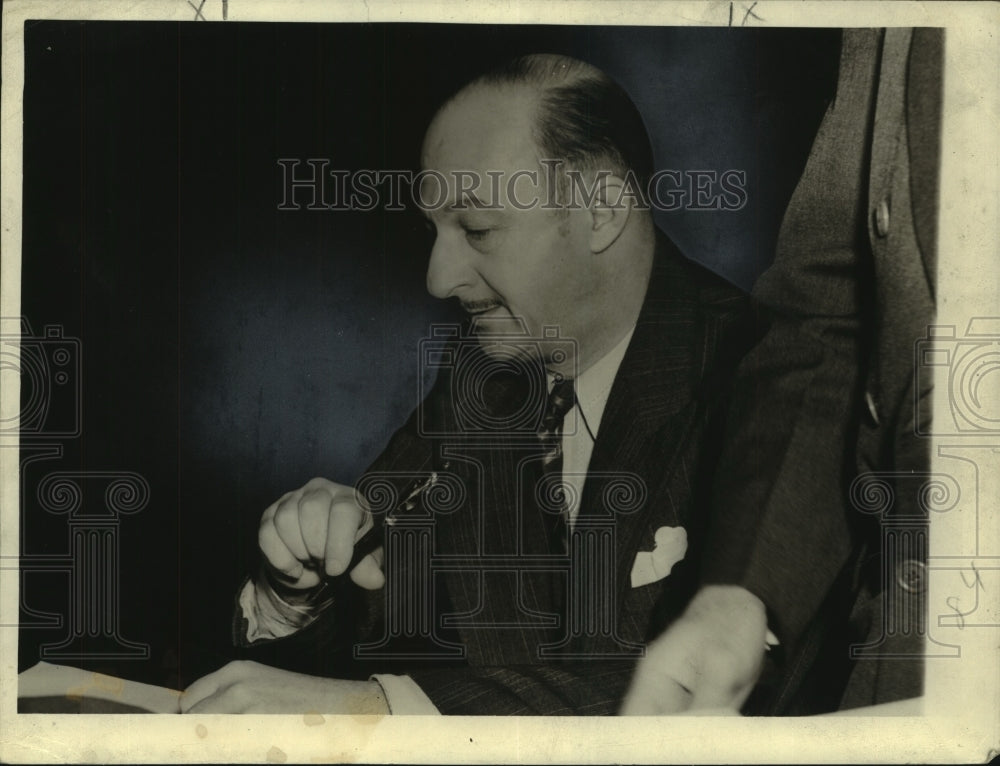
point(448, 271)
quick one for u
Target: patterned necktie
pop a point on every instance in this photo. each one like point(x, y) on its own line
point(551, 494)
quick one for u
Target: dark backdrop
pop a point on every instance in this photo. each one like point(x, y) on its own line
point(230, 351)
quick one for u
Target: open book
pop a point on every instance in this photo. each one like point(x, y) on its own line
point(47, 688)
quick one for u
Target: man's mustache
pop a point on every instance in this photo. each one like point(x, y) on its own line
point(478, 307)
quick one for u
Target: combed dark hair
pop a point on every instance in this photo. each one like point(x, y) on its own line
point(585, 118)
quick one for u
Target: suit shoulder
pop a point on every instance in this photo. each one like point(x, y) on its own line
point(716, 297)
point(730, 320)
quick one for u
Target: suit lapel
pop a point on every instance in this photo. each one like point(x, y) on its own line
point(649, 417)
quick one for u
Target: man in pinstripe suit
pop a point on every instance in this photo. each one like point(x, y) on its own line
point(533, 584)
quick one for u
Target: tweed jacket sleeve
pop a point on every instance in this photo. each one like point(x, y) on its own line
point(828, 391)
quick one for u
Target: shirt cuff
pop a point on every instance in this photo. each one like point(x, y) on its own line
point(403, 695)
point(268, 616)
point(259, 624)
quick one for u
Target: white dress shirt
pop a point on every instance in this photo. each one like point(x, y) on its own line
point(592, 387)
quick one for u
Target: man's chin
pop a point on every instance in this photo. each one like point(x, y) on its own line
point(502, 357)
point(503, 336)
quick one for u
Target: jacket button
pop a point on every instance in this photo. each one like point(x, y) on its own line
point(911, 576)
point(882, 218)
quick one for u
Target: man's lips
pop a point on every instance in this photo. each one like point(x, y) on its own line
point(493, 318)
point(480, 307)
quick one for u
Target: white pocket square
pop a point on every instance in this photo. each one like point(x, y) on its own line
point(670, 546)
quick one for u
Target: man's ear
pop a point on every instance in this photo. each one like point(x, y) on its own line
point(609, 212)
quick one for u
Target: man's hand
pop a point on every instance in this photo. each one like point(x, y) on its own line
point(311, 532)
point(710, 658)
point(249, 687)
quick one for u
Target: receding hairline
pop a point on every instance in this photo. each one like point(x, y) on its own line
point(575, 114)
point(543, 72)
point(533, 75)
point(532, 99)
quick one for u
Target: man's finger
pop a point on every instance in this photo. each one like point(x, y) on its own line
point(276, 552)
point(342, 529)
point(712, 694)
point(368, 573)
point(729, 671)
point(655, 695)
point(201, 689)
point(663, 681)
point(227, 700)
point(286, 521)
point(314, 515)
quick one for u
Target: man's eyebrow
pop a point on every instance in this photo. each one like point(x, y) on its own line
point(471, 201)
point(467, 200)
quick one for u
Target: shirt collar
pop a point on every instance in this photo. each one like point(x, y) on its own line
point(593, 385)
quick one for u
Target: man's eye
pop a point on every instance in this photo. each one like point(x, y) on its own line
point(476, 235)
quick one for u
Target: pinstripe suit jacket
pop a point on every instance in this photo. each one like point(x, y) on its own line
point(476, 609)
